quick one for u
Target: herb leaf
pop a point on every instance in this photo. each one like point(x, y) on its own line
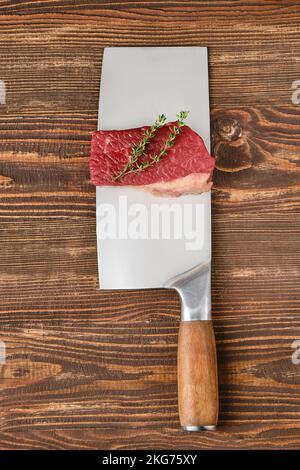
point(134, 165)
point(139, 149)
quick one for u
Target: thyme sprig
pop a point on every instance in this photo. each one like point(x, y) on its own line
point(139, 149)
point(134, 164)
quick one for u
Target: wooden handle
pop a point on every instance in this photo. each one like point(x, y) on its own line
point(197, 374)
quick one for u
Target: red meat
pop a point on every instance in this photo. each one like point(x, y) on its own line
point(186, 168)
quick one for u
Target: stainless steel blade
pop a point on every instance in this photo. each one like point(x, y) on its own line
point(137, 84)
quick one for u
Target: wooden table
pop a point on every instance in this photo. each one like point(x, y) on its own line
point(90, 369)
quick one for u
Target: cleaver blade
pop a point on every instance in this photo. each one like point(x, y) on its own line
point(152, 241)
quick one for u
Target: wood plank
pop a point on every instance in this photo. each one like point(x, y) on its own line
point(251, 436)
point(43, 164)
point(81, 358)
point(93, 369)
point(53, 52)
point(57, 376)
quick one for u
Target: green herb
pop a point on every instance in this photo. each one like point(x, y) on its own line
point(139, 149)
point(134, 165)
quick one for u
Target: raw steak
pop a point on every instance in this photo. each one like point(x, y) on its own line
point(186, 168)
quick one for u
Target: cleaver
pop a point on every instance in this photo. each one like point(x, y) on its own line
point(146, 241)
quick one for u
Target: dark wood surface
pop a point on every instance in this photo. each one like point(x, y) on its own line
point(92, 369)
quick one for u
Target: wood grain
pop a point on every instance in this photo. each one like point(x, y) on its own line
point(92, 369)
point(197, 374)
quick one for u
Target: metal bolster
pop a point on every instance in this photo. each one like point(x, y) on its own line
point(193, 286)
point(190, 312)
point(199, 428)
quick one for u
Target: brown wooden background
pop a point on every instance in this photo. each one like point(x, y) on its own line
point(90, 369)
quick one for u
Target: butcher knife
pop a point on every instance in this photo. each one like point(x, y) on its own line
point(146, 241)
